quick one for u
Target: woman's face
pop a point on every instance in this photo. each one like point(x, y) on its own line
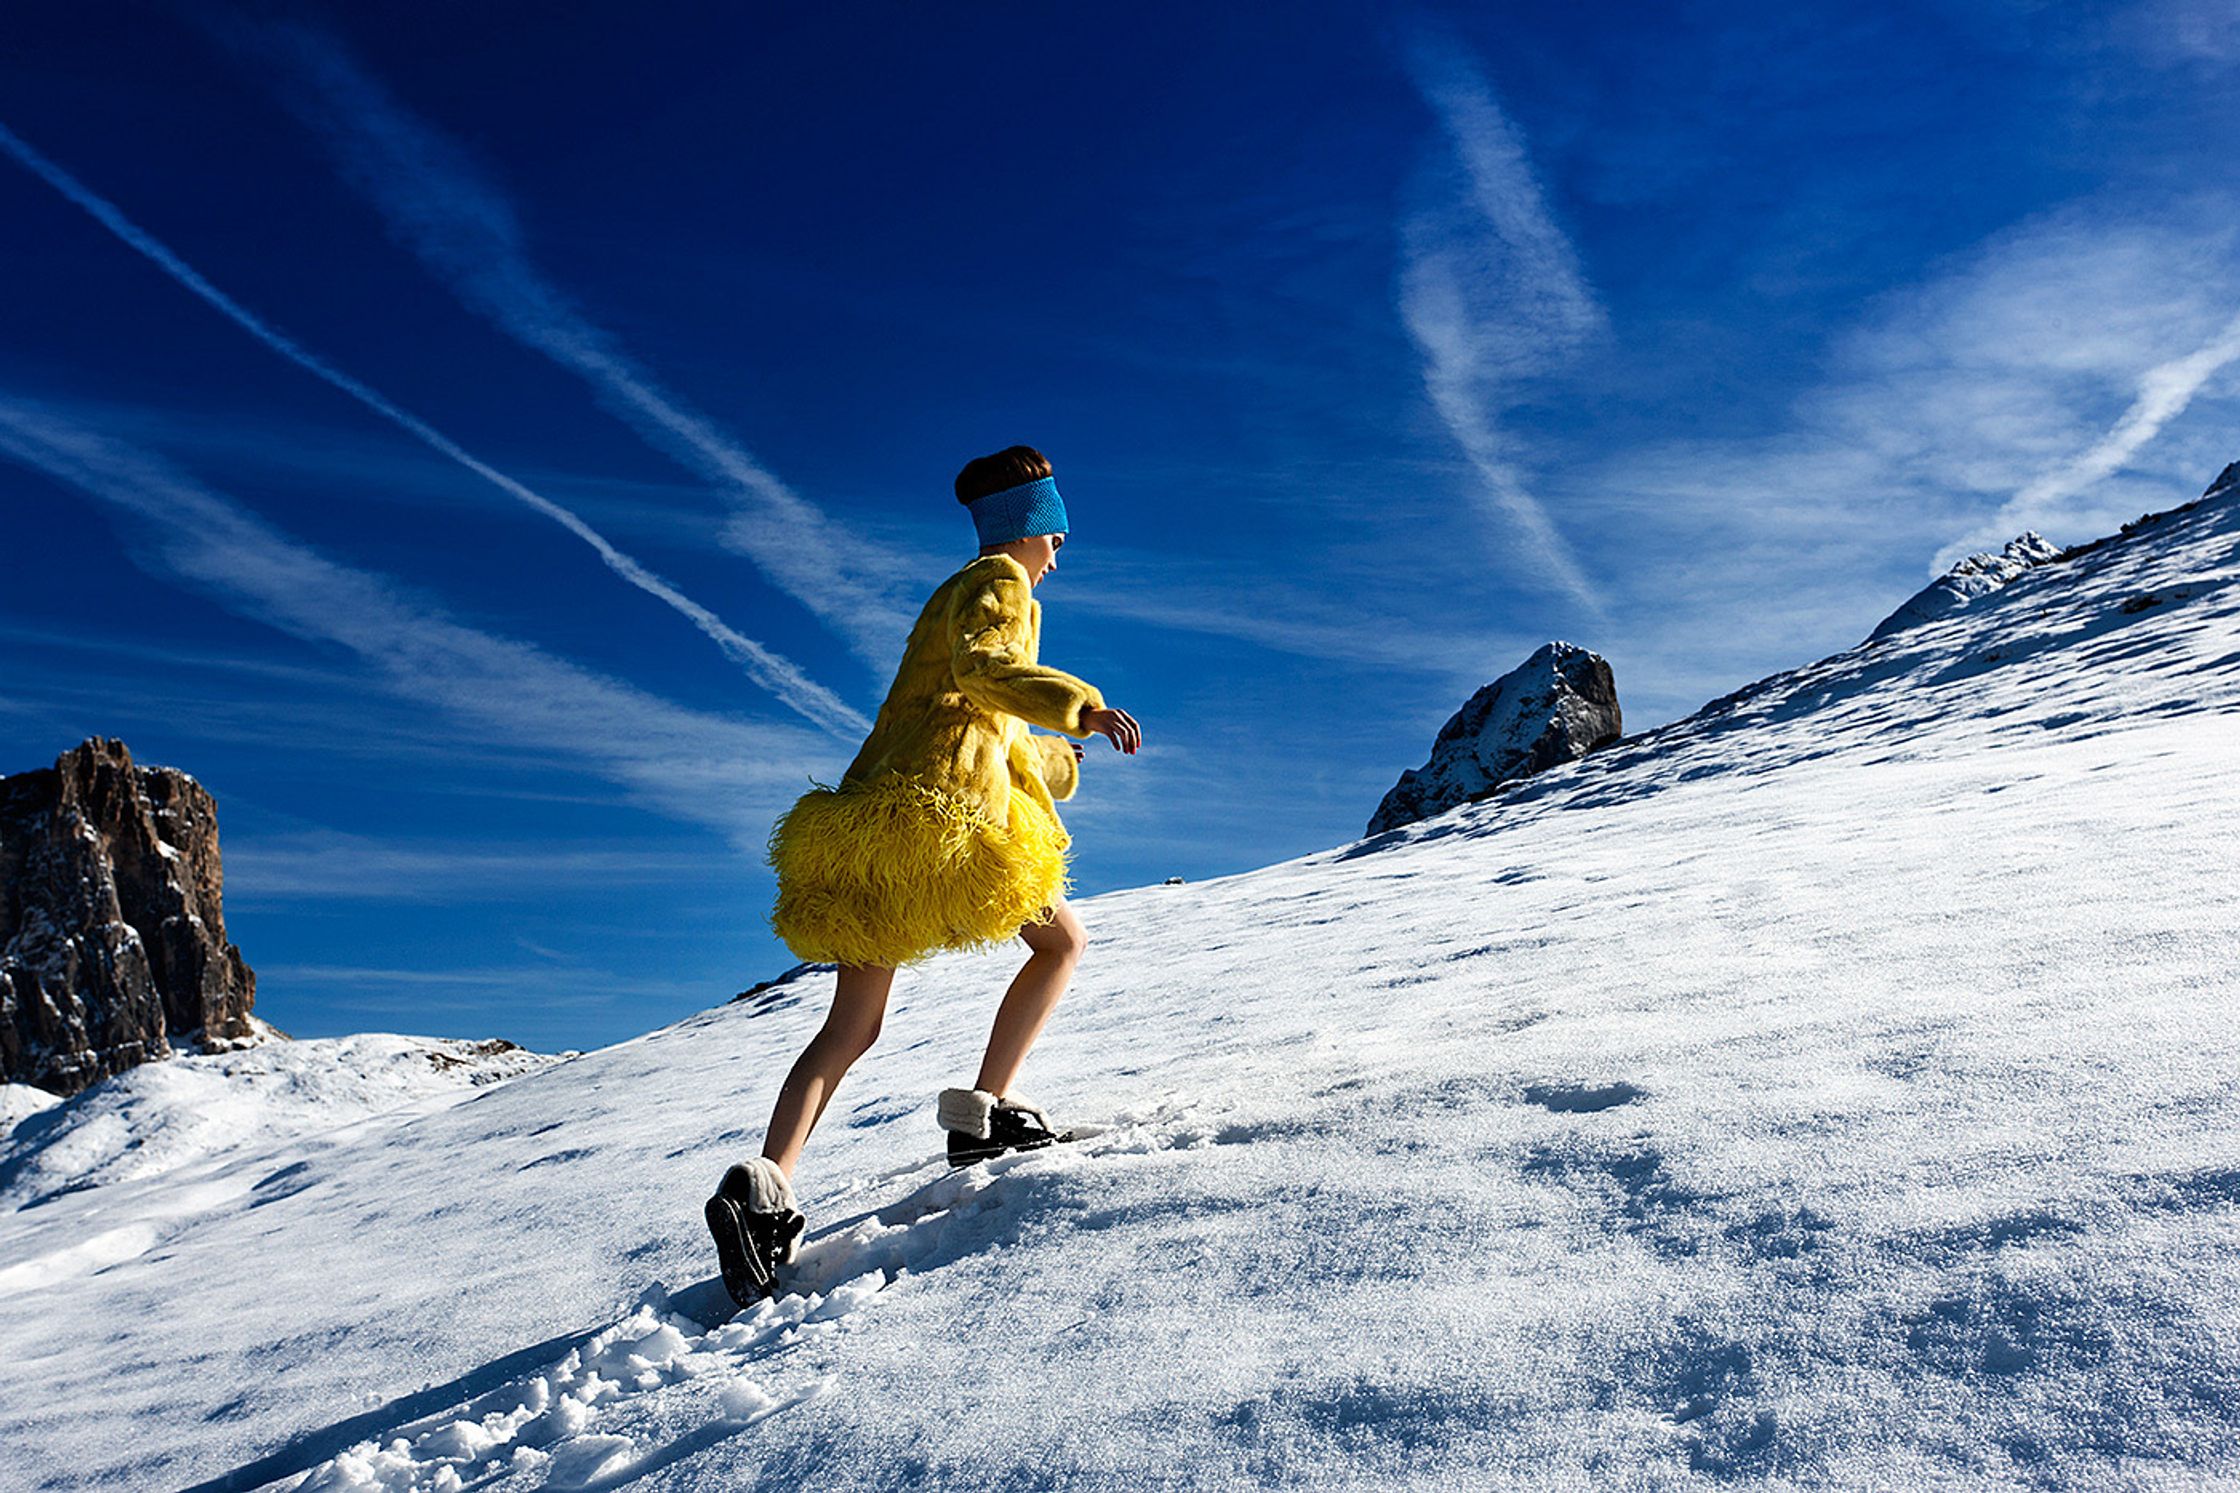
point(1037, 553)
point(1041, 555)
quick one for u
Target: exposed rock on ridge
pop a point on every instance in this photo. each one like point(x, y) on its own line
point(1981, 574)
point(1558, 705)
point(112, 930)
point(1978, 575)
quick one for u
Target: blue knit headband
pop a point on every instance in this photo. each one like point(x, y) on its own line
point(1017, 512)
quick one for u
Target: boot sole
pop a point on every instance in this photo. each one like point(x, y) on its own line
point(743, 1274)
point(973, 1158)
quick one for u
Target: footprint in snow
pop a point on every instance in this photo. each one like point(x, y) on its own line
point(1579, 1099)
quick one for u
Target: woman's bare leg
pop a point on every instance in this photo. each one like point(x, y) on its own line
point(859, 1004)
point(1033, 995)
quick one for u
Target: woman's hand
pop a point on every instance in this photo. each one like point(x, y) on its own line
point(1117, 724)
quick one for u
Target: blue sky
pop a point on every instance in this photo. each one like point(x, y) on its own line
point(499, 449)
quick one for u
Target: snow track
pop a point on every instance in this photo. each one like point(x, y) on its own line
point(689, 1358)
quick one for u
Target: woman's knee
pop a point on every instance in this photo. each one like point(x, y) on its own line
point(859, 1006)
point(836, 1049)
point(1062, 934)
point(852, 1035)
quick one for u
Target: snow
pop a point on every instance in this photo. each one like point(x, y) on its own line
point(159, 1116)
point(1831, 1089)
point(20, 1101)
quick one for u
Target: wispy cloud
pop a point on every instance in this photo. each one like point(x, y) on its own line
point(1491, 292)
point(2164, 391)
point(1190, 594)
point(329, 866)
point(2039, 379)
point(444, 209)
point(455, 998)
point(2189, 33)
point(2098, 329)
point(365, 464)
point(701, 769)
point(774, 672)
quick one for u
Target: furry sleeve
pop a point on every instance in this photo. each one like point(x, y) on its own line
point(988, 655)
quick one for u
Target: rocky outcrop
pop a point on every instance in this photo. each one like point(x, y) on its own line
point(112, 931)
point(1978, 575)
point(1558, 705)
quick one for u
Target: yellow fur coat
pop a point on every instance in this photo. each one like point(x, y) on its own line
point(944, 832)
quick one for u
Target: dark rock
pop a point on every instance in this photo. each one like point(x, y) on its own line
point(1555, 707)
point(775, 991)
point(461, 1054)
point(112, 930)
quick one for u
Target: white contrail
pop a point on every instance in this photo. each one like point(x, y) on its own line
point(696, 767)
point(777, 674)
point(2163, 393)
point(1491, 292)
point(440, 206)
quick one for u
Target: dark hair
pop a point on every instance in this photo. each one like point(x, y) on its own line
point(986, 474)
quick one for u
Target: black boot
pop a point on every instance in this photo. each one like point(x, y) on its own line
point(980, 1126)
point(756, 1228)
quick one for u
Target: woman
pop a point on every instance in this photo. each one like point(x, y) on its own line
point(942, 834)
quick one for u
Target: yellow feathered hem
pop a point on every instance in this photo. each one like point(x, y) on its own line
point(891, 871)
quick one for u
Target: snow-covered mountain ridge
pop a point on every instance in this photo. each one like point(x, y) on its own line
point(1979, 575)
point(1833, 1088)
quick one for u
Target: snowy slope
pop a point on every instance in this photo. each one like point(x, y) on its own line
point(187, 1108)
point(1832, 1088)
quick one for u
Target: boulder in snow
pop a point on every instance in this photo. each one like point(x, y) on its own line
point(1558, 705)
point(112, 930)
